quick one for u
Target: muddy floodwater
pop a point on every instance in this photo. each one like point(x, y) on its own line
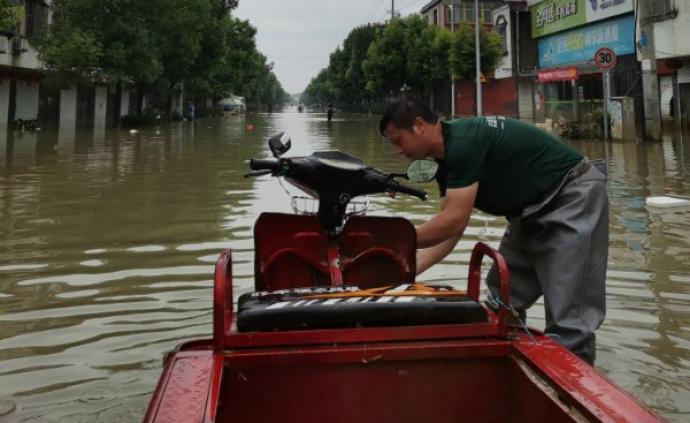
point(108, 239)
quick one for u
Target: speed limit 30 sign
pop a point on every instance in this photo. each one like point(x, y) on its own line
point(605, 58)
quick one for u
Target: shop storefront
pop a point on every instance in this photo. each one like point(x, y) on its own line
point(568, 85)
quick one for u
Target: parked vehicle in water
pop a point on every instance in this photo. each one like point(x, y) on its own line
point(232, 105)
point(338, 330)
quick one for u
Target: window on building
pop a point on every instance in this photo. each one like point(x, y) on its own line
point(435, 17)
point(464, 11)
point(486, 15)
point(659, 9)
point(35, 18)
point(501, 29)
point(469, 14)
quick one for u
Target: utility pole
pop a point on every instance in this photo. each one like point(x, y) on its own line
point(392, 9)
point(477, 57)
point(452, 76)
point(650, 81)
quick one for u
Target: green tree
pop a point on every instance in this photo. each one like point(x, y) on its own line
point(319, 89)
point(427, 50)
point(462, 54)
point(160, 46)
point(355, 48)
point(385, 64)
point(11, 13)
point(410, 52)
point(375, 61)
point(344, 81)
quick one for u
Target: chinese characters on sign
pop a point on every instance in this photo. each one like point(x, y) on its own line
point(579, 44)
point(551, 12)
point(554, 75)
point(551, 16)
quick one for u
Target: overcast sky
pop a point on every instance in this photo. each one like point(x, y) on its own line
point(299, 35)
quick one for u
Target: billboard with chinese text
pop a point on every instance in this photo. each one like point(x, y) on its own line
point(579, 45)
point(550, 16)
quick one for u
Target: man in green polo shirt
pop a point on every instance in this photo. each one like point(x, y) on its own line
point(556, 242)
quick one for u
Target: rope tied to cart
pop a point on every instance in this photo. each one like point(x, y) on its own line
point(516, 316)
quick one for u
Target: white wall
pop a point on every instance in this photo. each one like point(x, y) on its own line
point(5, 58)
point(671, 36)
point(124, 102)
point(27, 100)
point(4, 101)
point(27, 59)
point(665, 94)
point(504, 69)
point(68, 107)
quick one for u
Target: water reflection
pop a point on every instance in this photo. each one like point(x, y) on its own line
point(109, 238)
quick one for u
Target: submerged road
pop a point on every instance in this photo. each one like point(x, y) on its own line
point(108, 239)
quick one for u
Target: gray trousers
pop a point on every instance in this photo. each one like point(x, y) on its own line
point(558, 248)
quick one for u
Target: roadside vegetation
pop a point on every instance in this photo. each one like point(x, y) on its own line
point(11, 13)
point(406, 55)
point(161, 48)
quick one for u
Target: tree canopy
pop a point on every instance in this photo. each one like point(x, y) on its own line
point(463, 57)
point(11, 12)
point(161, 45)
point(344, 80)
point(376, 61)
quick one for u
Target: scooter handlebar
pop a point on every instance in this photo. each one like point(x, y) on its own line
point(404, 189)
point(265, 164)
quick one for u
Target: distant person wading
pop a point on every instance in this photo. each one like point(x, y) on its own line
point(330, 111)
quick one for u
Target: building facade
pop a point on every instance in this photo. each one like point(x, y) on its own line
point(662, 31)
point(569, 86)
point(26, 100)
point(508, 90)
point(21, 96)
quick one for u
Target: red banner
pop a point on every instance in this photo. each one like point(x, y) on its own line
point(553, 75)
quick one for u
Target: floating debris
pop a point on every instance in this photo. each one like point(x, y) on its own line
point(667, 202)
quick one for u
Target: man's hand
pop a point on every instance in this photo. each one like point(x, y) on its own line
point(452, 220)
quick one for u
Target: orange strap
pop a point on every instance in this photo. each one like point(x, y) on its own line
point(416, 289)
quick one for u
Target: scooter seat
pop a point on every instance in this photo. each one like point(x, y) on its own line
point(332, 307)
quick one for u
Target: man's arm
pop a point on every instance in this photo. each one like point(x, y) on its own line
point(450, 223)
point(427, 257)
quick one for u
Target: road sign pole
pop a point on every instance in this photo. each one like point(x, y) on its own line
point(605, 59)
point(607, 97)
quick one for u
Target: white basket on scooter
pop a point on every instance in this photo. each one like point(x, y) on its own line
point(310, 206)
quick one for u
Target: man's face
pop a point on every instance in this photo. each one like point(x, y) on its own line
point(410, 143)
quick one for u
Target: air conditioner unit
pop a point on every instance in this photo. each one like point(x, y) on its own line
point(19, 45)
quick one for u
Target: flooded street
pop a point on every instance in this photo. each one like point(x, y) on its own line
point(108, 240)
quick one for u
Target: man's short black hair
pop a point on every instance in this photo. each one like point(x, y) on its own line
point(403, 112)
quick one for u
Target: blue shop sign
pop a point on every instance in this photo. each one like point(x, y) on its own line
point(579, 45)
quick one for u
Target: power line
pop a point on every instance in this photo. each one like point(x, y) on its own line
point(368, 15)
point(382, 12)
point(411, 3)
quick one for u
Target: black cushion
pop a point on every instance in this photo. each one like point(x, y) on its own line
point(292, 309)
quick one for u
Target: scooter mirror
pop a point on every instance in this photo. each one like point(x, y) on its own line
point(422, 170)
point(279, 144)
